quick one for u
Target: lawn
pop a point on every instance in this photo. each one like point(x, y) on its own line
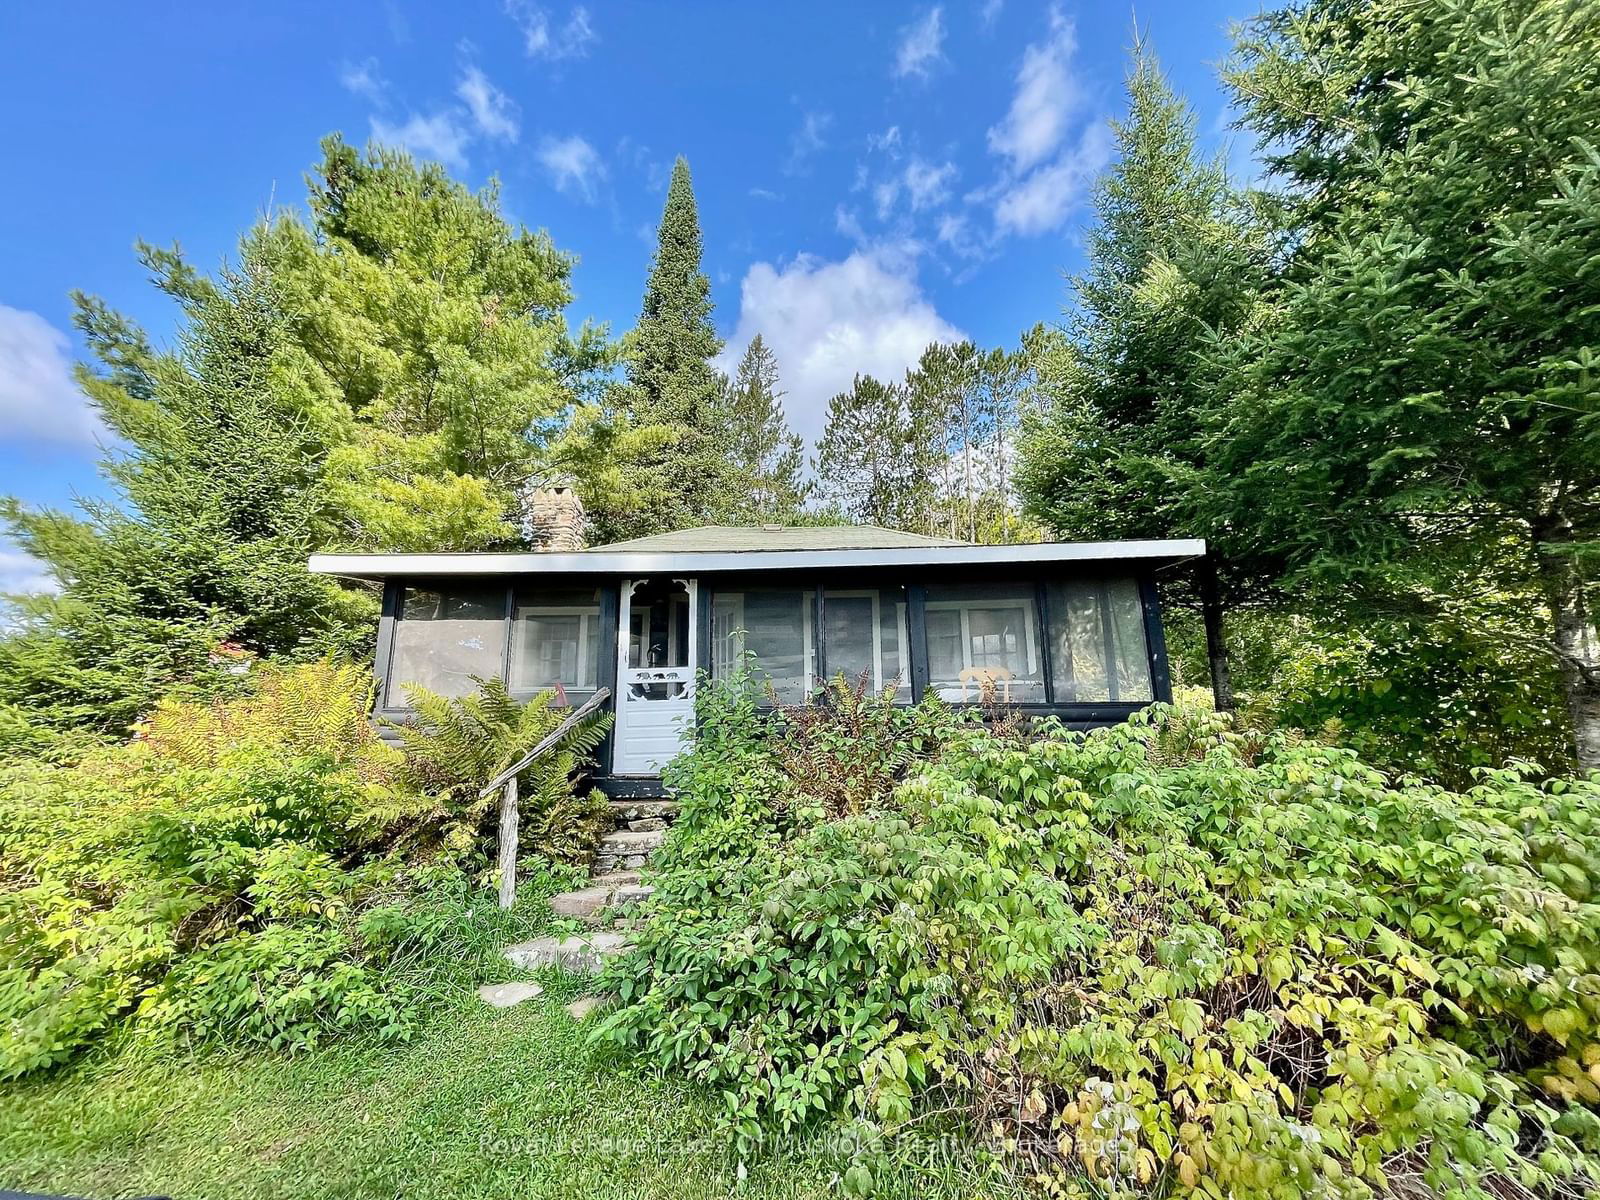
point(483, 1103)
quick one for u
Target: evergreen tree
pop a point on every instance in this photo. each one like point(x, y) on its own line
point(1175, 259)
point(864, 465)
point(682, 474)
point(1422, 413)
point(379, 378)
point(767, 455)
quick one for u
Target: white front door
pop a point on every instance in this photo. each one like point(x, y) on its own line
point(656, 638)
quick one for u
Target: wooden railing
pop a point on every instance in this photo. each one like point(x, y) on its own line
point(507, 779)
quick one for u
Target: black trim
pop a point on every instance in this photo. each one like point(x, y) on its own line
point(630, 787)
point(1041, 605)
point(1155, 638)
point(819, 637)
point(393, 590)
point(606, 676)
point(917, 636)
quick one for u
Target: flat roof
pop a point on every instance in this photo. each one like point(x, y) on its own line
point(606, 560)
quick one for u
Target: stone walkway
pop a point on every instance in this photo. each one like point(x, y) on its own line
point(616, 888)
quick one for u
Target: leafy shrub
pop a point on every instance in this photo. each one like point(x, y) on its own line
point(235, 873)
point(1160, 956)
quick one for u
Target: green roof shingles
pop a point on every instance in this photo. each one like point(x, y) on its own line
point(737, 538)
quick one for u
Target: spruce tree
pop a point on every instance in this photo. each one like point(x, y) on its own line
point(1420, 420)
point(673, 389)
point(1174, 259)
point(768, 457)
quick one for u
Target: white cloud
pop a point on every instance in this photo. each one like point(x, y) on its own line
point(441, 137)
point(826, 321)
point(926, 184)
point(887, 141)
point(1040, 202)
point(761, 193)
point(21, 574)
point(1047, 95)
point(921, 45)
point(884, 196)
point(38, 397)
point(362, 79)
point(806, 141)
point(543, 38)
point(493, 112)
point(574, 165)
point(991, 12)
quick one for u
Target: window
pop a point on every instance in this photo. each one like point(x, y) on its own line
point(443, 639)
point(983, 640)
point(1097, 643)
point(866, 638)
point(555, 642)
point(771, 628)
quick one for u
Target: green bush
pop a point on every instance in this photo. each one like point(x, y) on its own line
point(257, 870)
point(1160, 956)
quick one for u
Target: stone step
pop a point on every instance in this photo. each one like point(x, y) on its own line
point(626, 849)
point(643, 810)
point(581, 954)
point(606, 894)
point(632, 841)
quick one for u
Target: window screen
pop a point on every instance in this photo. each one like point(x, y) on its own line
point(983, 642)
point(771, 629)
point(1097, 643)
point(444, 638)
point(556, 642)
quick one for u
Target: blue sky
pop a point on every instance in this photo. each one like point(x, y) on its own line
point(871, 177)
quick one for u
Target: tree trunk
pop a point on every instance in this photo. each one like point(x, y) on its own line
point(508, 844)
point(1577, 647)
point(1216, 647)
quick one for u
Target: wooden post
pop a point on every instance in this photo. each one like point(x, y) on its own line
point(508, 800)
point(508, 844)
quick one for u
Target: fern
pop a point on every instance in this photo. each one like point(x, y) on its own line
point(310, 709)
point(453, 747)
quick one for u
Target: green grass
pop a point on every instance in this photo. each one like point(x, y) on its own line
point(483, 1103)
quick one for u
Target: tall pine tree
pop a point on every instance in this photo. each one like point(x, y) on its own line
point(1421, 420)
point(865, 462)
point(380, 378)
point(682, 475)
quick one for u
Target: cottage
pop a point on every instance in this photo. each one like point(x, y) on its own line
point(1070, 629)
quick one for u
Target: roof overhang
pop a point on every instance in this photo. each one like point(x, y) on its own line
point(631, 564)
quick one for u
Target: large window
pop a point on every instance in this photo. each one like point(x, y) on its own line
point(771, 629)
point(866, 638)
point(983, 643)
point(1097, 647)
point(444, 638)
point(556, 642)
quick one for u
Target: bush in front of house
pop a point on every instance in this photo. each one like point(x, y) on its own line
point(261, 870)
point(1160, 956)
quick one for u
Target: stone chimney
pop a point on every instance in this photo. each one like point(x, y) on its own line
point(552, 516)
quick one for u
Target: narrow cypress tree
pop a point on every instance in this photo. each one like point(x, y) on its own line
point(673, 386)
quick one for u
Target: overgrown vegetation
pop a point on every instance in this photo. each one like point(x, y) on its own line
point(261, 870)
point(1160, 956)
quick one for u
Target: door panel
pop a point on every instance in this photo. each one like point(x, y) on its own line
point(655, 673)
